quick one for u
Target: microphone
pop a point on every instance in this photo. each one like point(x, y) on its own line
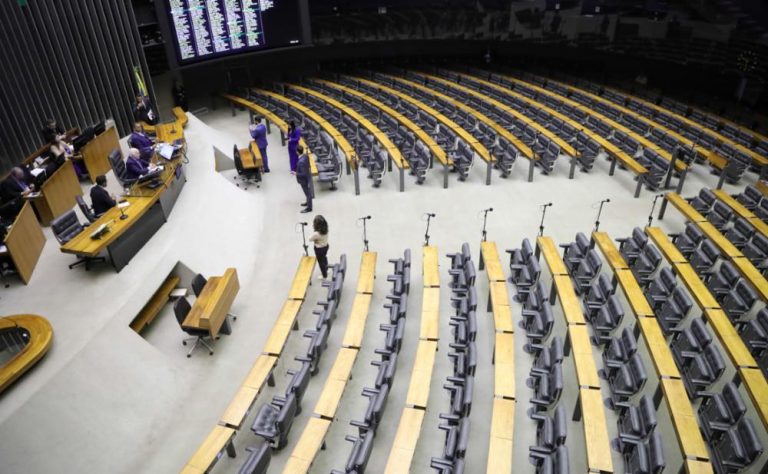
point(546, 205)
point(606, 200)
point(303, 223)
point(490, 209)
point(430, 214)
point(364, 218)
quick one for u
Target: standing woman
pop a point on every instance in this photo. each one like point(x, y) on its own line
point(62, 151)
point(294, 135)
point(320, 239)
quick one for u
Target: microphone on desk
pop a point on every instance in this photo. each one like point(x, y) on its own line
point(546, 205)
point(303, 223)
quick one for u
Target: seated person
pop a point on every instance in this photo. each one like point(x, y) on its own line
point(140, 140)
point(61, 151)
point(101, 199)
point(16, 185)
point(52, 130)
point(134, 167)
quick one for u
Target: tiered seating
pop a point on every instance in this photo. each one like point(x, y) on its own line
point(428, 118)
point(313, 436)
point(460, 385)
point(220, 438)
point(671, 384)
point(744, 363)
point(500, 445)
point(409, 427)
point(419, 149)
point(375, 150)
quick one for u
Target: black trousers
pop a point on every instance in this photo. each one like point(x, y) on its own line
point(307, 193)
point(321, 253)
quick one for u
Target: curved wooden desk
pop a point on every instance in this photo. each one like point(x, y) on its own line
point(40, 337)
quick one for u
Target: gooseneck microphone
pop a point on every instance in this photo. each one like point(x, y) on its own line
point(304, 237)
point(543, 215)
point(365, 231)
point(600, 211)
point(430, 216)
point(485, 221)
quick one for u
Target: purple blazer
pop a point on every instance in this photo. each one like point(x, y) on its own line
point(134, 168)
point(259, 134)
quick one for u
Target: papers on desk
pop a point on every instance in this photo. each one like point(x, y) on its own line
point(99, 232)
point(37, 172)
point(123, 204)
point(166, 151)
point(3, 249)
point(34, 195)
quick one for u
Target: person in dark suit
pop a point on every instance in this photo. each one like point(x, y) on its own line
point(16, 185)
point(304, 178)
point(52, 131)
point(101, 199)
point(142, 110)
point(259, 134)
point(134, 167)
point(140, 140)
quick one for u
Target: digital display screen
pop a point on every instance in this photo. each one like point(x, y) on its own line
point(206, 29)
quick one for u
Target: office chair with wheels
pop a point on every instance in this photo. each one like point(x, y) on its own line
point(246, 176)
point(65, 228)
point(198, 283)
point(85, 209)
point(181, 309)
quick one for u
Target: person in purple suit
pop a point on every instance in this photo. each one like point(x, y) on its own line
point(134, 166)
point(259, 134)
point(294, 135)
point(140, 140)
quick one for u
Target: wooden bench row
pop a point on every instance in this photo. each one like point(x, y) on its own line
point(745, 364)
point(220, 438)
point(742, 211)
point(500, 445)
point(671, 386)
point(742, 264)
point(409, 427)
point(589, 406)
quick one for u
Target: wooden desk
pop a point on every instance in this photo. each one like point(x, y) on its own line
point(430, 315)
point(610, 251)
point(307, 446)
point(658, 348)
point(353, 336)
point(586, 370)
point(169, 132)
point(250, 158)
point(685, 209)
point(404, 445)
point(634, 293)
point(96, 152)
point(598, 443)
point(570, 303)
point(735, 205)
point(502, 319)
point(504, 366)
point(302, 279)
point(219, 439)
point(545, 245)
point(286, 321)
point(695, 286)
point(730, 339)
point(724, 245)
point(500, 446)
point(430, 267)
point(25, 242)
point(697, 467)
point(329, 399)
point(421, 375)
point(684, 420)
point(245, 397)
point(757, 388)
point(57, 193)
point(211, 308)
point(40, 340)
point(499, 294)
point(365, 280)
point(665, 245)
point(490, 256)
point(752, 275)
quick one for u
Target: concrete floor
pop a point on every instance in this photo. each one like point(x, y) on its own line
point(108, 400)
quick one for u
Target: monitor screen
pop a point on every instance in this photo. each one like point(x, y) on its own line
point(206, 29)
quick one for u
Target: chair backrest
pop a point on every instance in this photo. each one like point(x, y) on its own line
point(722, 211)
point(729, 273)
point(733, 401)
point(181, 309)
point(66, 227)
point(710, 250)
point(744, 227)
point(628, 342)
point(560, 426)
point(582, 242)
point(238, 160)
point(656, 453)
point(694, 234)
point(637, 368)
point(682, 301)
point(700, 332)
point(115, 158)
point(258, 461)
point(363, 454)
point(762, 318)
point(286, 415)
point(616, 309)
point(300, 381)
point(745, 291)
point(714, 359)
point(198, 283)
point(87, 212)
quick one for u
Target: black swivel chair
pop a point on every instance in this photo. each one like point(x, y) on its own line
point(258, 460)
point(246, 176)
point(118, 167)
point(181, 309)
point(65, 228)
point(198, 283)
point(85, 209)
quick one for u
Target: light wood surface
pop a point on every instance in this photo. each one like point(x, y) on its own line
point(685, 209)
point(610, 251)
point(367, 273)
point(353, 335)
point(25, 241)
point(155, 304)
point(169, 132)
point(724, 245)
point(635, 296)
point(658, 348)
point(598, 443)
point(96, 152)
point(757, 388)
point(213, 304)
point(737, 207)
point(404, 445)
point(210, 450)
point(665, 245)
point(245, 397)
point(504, 366)
point(586, 370)
point(500, 446)
point(430, 267)
point(421, 375)
point(551, 255)
point(57, 193)
point(570, 303)
point(752, 275)
point(730, 338)
point(302, 279)
point(693, 466)
point(308, 445)
point(282, 328)
point(499, 293)
point(502, 318)
point(260, 371)
point(684, 420)
point(493, 266)
point(697, 289)
point(329, 399)
point(40, 339)
point(430, 314)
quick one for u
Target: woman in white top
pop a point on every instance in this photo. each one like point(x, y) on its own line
point(320, 239)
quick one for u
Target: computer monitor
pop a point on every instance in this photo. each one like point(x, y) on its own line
point(166, 151)
point(81, 140)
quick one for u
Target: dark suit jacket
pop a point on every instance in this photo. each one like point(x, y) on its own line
point(49, 134)
point(303, 171)
point(143, 143)
point(141, 114)
point(134, 168)
point(11, 188)
point(101, 201)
